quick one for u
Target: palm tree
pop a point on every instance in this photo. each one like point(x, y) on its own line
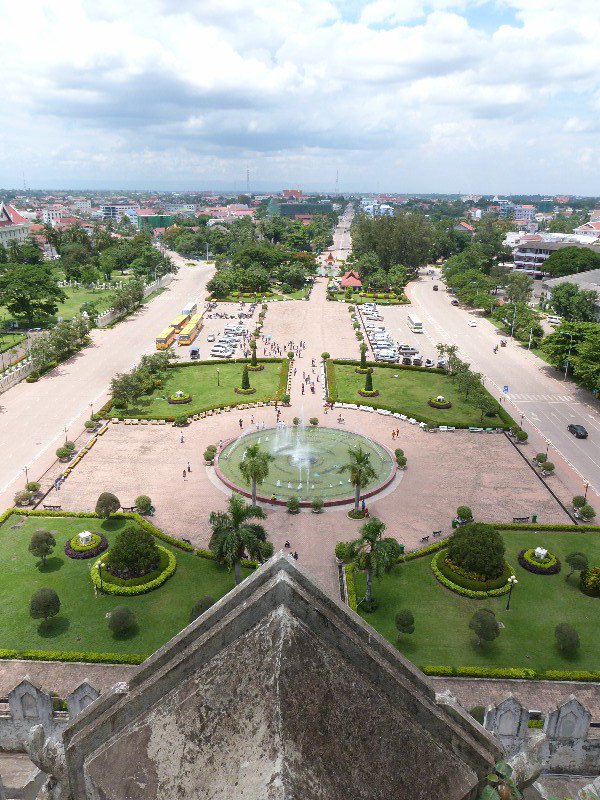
point(361, 471)
point(234, 536)
point(371, 554)
point(255, 467)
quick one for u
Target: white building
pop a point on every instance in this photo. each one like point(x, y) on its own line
point(531, 253)
point(524, 213)
point(13, 226)
point(589, 229)
point(185, 209)
point(117, 211)
point(81, 204)
point(52, 214)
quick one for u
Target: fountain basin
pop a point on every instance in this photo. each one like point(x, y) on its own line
point(306, 464)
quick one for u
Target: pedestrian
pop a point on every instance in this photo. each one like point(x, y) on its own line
point(241, 424)
point(189, 469)
point(220, 444)
point(393, 435)
point(302, 388)
point(184, 474)
point(287, 543)
point(181, 440)
point(296, 555)
point(252, 420)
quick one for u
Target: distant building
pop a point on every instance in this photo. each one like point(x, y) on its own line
point(464, 227)
point(591, 229)
point(292, 194)
point(275, 208)
point(180, 209)
point(148, 220)
point(531, 253)
point(13, 226)
point(117, 210)
point(52, 214)
point(524, 213)
point(586, 281)
point(350, 280)
point(81, 204)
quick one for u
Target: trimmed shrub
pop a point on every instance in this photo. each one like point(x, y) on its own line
point(405, 621)
point(121, 620)
point(541, 458)
point(436, 567)
point(464, 513)
point(134, 554)
point(44, 604)
point(549, 566)
point(314, 421)
point(33, 486)
point(325, 356)
point(143, 503)
point(484, 625)
point(63, 453)
point(293, 505)
point(341, 550)
point(579, 501)
point(107, 504)
point(589, 581)
point(70, 446)
point(547, 468)
point(73, 549)
point(181, 421)
point(478, 549)
point(42, 544)
point(136, 586)
point(567, 638)
point(577, 561)
point(522, 435)
point(22, 497)
point(587, 512)
point(317, 505)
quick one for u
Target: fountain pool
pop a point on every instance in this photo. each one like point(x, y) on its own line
point(306, 463)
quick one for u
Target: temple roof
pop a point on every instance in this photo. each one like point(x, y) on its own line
point(277, 692)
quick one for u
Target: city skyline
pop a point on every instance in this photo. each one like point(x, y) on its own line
point(431, 96)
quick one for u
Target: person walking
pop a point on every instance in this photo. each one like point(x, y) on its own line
point(189, 469)
point(241, 424)
point(184, 474)
point(181, 440)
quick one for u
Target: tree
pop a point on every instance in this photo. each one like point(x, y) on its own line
point(577, 561)
point(484, 402)
point(200, 606)
point(478, 549)
point(484, 625)
point(371, 553)
point(363, 356)
point(121, 620)
point(30, 291)
point(42, 544)
point(255, 467)
point(573, 303)
point(405, 622)
point(360, 470)
point(245, 379)
point(571, 260)
point(567, 638)
point(107, 504)
point(519, 287)
point(133, 554)
point(369, 381)
point(405, 238)
point(586, 361)
point(44, 603)
point(234, 536)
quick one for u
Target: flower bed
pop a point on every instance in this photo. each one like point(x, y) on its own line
point(74, 549)
point(239, 390)
point(435, 403)
point(364, 393)
point(180, 399)
point(147, 583)
point(549, 566)
point(450, 579)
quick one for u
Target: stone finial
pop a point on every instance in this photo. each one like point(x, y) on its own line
point(508, 718)
point(81, 697)
point(571, 720)
point(30, 706)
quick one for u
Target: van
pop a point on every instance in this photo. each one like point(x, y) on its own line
point(195, 353)
point(454, 302)
point(553, 320)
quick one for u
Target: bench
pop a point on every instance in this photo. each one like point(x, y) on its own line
point(437, 533)
point(128, 509)
point(424, 538)
point(517, 520)
point(51, 508)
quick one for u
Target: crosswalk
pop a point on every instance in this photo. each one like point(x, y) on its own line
point(548, 398)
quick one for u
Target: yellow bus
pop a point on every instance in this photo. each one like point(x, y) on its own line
point(165, 339)
point(179, 322)
point(191, 330)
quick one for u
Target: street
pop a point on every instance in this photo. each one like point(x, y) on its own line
point(36, 418)
point(535, 390)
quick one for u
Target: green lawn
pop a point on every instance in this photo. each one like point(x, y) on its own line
point(8, 340)
point(77, 297)
point(200, 380)
point(406, 392)
point(81, 624)
point(358, 299)
point(538, 604)
point(298, 294)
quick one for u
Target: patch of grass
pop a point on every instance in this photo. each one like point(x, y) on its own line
point(200, 381)
point(8, 340)
point(82, 624)
point(359, 299)
point(407, 391)
point(538, 604)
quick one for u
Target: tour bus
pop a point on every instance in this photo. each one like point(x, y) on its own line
point(191, 330)
point(180, 322)
point(189, 310)
point(165, 339)
point(414, 323)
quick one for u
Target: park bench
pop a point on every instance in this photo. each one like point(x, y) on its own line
point(51, 508)
point(521, 520)
point(128, 509)
point(424, 538)
point(437, 533)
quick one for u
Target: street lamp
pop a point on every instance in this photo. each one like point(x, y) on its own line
point(513, 582)
point(566, 333)
point(547, 448)
point(587, 486)
point(521, 421)
point(100, 576)
point(65, 430)
point(218, 376)
point(26, 477)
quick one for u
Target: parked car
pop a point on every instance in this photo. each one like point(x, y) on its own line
point(435, 287)
point(417, 361)
point(210, 337)
point(471, 323)
point(407, 361)
point(578, 431)
point(454, 302)
point(428, 362)
point(195, 353)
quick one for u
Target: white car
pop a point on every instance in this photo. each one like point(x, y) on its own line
point(210, 337)
point(471, 323)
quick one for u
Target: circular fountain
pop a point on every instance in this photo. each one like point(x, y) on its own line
point(306, 464)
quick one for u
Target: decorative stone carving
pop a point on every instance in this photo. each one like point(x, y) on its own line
point(81, 697)
point(571, 720)
point(48, 754)
point(508, 718)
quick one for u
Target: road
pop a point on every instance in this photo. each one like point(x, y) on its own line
point(535, 390)
point(342, 243)
point(35, 416)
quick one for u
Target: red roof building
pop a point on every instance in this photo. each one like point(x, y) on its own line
point(13, 226)
point(350, 280)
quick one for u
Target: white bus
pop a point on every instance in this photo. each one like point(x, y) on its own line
point(189, 310)
point(414, 323)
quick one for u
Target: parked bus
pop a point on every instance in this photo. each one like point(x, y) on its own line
point(190, 309)
point(180, 322)
point(191, 330)
point(165, 339)
point(414, 323)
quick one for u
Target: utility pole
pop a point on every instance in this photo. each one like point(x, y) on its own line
point(337, 182)
point(512, 327)
point(248, 181)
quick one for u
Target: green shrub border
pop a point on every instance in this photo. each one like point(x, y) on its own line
point(333, 393)
point(83, 548)
point(130, 591)
point(73, 656)
point(454, 587)
point(351, 586)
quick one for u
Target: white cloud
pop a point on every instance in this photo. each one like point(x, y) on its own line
point(183, 90)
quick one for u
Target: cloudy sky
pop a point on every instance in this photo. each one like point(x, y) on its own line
point(396, 95)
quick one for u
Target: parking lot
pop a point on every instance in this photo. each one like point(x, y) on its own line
point(394, 319)
point(214, 322)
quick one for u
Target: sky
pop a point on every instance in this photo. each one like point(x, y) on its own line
point(482, 96)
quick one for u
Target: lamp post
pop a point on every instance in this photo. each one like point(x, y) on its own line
point(587, 486)
point(521, 421)
point(513, 582)
point(218, 376)
point(26, 477)
point(91, 410)
point(65, 430)
point(566, 333)
point(100, 576)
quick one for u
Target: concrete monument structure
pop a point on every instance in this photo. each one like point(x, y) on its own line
point(276, 692)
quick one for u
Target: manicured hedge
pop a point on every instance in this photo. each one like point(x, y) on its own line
point(67, 655)
point(143, 588)
point(86, 552)
point(466, 581)
point(512, 673)
point(531, 565)
point(351, 586)
point(459, 589)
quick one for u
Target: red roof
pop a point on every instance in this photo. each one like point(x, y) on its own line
point(350, 279)
point(10, 216)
